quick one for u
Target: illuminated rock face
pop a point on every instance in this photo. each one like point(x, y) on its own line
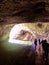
point(29, 31)
point(21, 32)
point(43, 31)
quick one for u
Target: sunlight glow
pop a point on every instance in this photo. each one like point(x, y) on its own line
point(17, 28)
point(15, 32)
point(20, 42)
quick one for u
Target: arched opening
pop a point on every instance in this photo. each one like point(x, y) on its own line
point(21, 34)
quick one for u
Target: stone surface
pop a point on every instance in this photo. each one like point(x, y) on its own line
point(13, 11)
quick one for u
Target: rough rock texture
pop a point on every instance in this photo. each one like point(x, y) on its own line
point(20, 11)
point(42, 29)
point(14, 11)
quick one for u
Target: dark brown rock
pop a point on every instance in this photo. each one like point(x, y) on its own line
point(25, 10)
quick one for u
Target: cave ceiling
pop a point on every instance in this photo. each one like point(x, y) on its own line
point(20, 11)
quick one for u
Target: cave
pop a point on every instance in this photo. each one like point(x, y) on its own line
point(21, 22)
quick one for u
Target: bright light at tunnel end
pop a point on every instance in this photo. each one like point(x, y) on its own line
point(15, 30)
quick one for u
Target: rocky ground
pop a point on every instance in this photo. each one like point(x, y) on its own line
point(11, 54)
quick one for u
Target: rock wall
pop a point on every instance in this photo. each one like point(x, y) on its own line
point(6, 28)
point(20, 10)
